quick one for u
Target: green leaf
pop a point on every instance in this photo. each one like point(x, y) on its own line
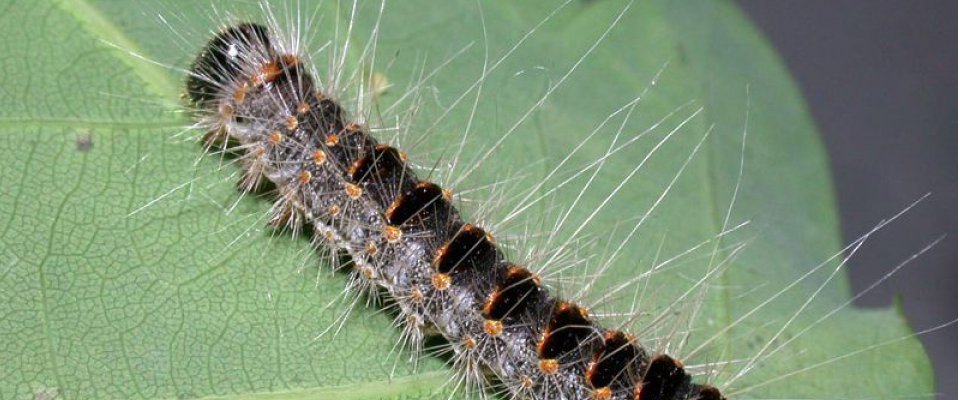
point(129, 269)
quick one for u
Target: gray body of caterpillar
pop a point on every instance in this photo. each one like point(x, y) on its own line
point(405, 239)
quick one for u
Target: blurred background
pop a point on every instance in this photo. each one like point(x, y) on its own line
point(880, 77)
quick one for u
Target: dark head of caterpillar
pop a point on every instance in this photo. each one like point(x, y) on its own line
point(445, 274)
point(221, 61)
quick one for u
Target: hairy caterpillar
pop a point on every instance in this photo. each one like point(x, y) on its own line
point(400, 202)
point(405, 237)
point(154, 196)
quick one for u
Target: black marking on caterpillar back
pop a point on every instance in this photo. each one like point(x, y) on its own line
point(468, 250)
point(383, 167)
point(423, 205)
point(664, 379)
point(617, 364)
point(516, 293)
point(382, 164)
point(569, 327)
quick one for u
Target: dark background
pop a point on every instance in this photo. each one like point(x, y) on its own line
point(880, 78)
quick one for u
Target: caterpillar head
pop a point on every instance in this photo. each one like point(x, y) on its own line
point(224, 60)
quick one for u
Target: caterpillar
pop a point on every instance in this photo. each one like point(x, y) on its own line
point(407, 244)
point(405, 237)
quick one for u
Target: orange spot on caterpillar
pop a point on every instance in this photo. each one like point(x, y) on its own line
point(368, 272)
point(469, 343)
point(416, 296)
point(492, 327)
point(353, 191)
point(441, 281)
point(305, 177)
point(319, 157)
point(272, 70)
point(355, 166)
point(303, 107)
point(275, 138)
point(332, 140)
point(392, 233)
point(371, 248)
point(549, 366)
point(333, 209)
point(267, 73)
point(292, 123)
point(604, 393)
point(526, 382)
